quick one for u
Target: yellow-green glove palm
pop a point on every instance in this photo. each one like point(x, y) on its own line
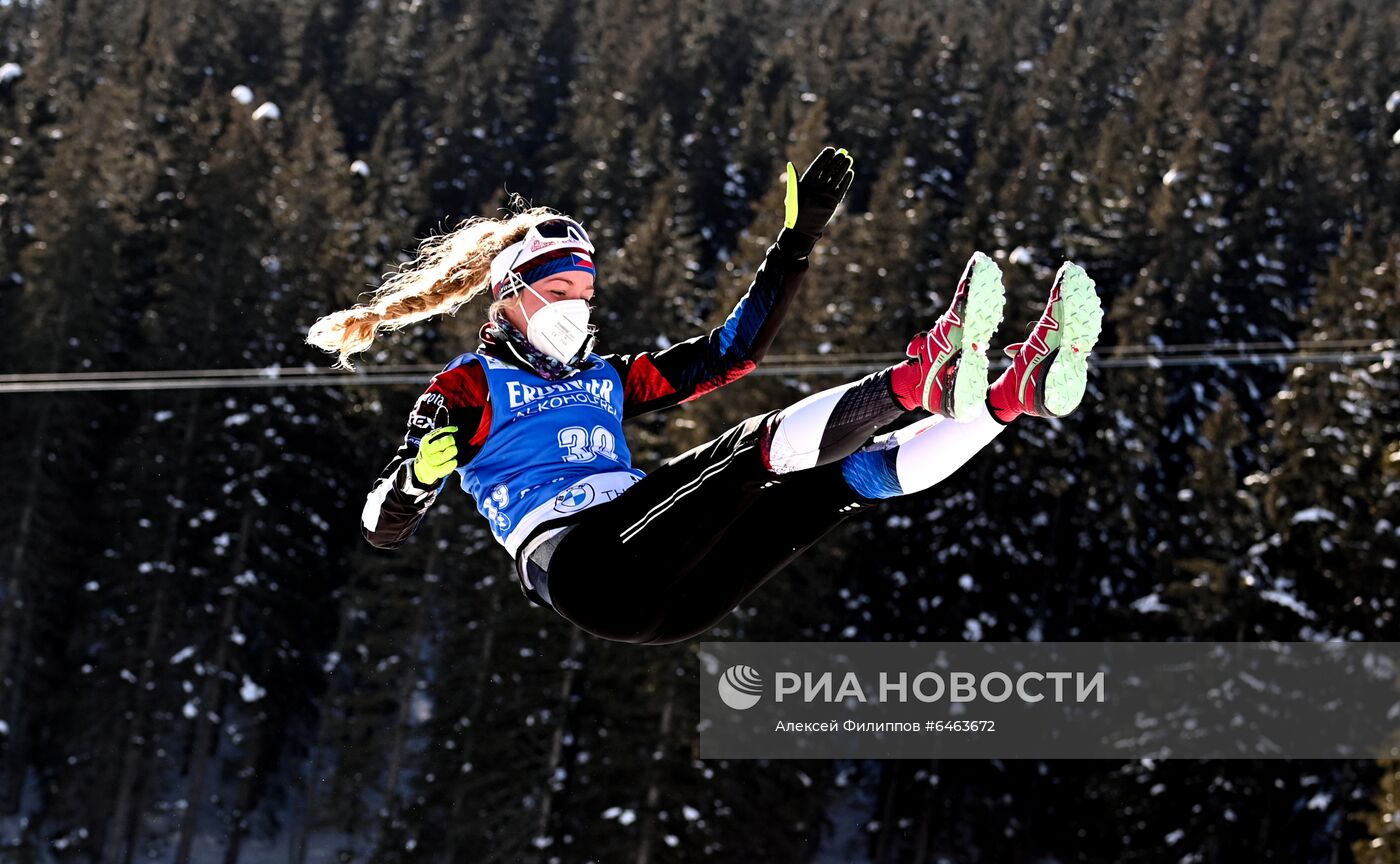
point(812, 200)
point(437, 456)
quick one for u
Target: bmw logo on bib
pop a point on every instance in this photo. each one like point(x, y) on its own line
point(574, 498)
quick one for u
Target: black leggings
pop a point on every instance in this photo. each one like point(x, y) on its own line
point(674, 554)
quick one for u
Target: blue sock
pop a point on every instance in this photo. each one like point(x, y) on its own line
point(871, 473)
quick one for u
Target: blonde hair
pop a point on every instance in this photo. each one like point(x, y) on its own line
point(449, 270)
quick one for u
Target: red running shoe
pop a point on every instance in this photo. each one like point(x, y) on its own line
point(1050, 370)
point(947, 370)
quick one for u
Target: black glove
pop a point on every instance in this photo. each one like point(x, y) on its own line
point(812, 200)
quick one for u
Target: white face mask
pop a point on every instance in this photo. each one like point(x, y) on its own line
point(559, 329)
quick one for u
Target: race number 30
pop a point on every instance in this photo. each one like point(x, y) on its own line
point(580, 445)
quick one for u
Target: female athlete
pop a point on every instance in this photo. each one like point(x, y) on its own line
point(531, 421)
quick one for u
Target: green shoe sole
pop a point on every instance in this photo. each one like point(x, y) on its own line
point(986, 299)
point(1081, 322)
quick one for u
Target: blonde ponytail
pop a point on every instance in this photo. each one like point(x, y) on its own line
point(449, 270)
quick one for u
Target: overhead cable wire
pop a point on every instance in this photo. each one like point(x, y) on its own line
point(795, 365)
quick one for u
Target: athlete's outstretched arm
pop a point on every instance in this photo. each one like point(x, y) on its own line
point(456, 408)
point(690, 369)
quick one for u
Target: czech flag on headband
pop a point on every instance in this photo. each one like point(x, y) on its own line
point(579, 261)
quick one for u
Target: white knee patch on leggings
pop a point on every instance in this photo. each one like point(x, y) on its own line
point(939, 448)
point(797, 437)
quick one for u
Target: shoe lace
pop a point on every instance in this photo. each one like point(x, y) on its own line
point(1015, 348)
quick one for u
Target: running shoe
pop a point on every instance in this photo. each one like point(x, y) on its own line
point(949, 360)
point(1050, 369)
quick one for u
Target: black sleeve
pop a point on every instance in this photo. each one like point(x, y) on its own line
point(688, 370)
point(396, 502)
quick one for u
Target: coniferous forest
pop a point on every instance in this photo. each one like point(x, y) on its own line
point(201, 660)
